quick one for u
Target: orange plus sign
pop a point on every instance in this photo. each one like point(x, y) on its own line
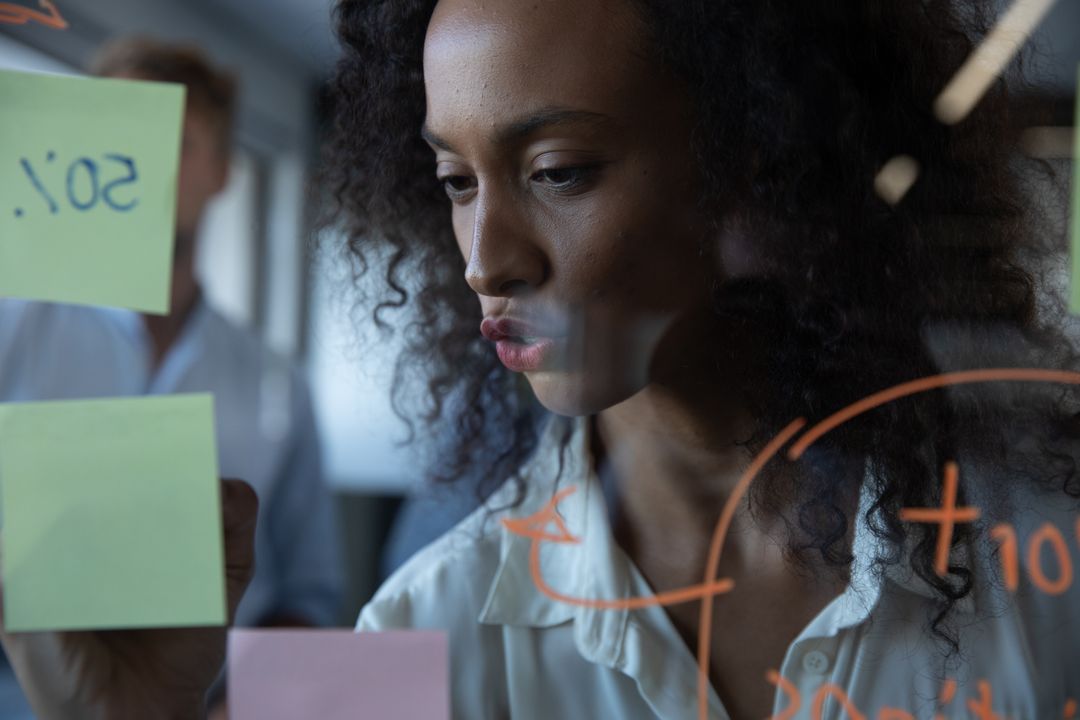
point(946, 516)
point(982, 708)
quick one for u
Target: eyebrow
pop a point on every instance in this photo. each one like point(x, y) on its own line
point(523, 127)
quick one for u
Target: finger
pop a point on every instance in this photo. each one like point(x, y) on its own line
point(240, 509)
point(44, 672)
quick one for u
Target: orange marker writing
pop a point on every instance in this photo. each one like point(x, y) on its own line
point(946, 517)
point(19, 15)
point(536, 526)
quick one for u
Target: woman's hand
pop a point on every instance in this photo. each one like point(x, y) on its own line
point(151, 674)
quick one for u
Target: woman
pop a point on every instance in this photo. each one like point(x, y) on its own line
point(665, 216)
point(667, 213)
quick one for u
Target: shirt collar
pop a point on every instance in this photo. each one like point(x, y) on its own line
point(514, 598)
point(580, 564)
point(588, 564)
point(184, 351)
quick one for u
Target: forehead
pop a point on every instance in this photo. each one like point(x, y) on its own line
point(485, 57)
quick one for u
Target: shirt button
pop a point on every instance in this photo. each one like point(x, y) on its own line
point(815, 662)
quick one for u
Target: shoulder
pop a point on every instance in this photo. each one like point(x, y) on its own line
point(29, 317)
point(55, 351)
point(445, 587)
point(448, 582)
point(445, 584)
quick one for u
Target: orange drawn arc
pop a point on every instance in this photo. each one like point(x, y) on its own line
point(933, 382)
point(19, 15)
point(535, 527)
point(532, 526)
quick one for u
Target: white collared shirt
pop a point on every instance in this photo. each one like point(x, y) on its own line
point(517, 653)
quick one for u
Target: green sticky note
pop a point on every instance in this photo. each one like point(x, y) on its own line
point(88, 182)
point(111, 514)
point(1074, 292)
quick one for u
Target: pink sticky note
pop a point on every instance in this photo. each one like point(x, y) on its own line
point(338, 674)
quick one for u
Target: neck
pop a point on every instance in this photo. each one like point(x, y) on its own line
point(676, 452)
point(165, 330)
point(674, 470)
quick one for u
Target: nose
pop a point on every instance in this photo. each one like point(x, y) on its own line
point(504, 260)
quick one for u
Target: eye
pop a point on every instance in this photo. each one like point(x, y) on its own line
point(458, 187)
point(565, 179)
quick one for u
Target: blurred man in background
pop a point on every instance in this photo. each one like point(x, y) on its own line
point(265, 426)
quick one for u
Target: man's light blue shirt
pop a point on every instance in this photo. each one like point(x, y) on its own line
point(266, 430)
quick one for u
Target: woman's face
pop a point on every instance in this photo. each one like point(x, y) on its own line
point(566, 155)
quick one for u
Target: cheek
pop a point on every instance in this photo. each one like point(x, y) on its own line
point(640, 263)
point(640, 241)
point(462, 221)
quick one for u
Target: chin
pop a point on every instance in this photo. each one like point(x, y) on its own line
point(578, 395)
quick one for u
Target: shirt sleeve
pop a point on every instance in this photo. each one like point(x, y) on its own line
point(377, 617)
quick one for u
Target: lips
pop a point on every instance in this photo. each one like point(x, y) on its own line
point(506, 329)
point(521, 347)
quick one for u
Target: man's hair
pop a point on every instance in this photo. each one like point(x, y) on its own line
point(210, 90)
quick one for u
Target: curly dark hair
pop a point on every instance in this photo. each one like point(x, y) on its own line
point(798, 105)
